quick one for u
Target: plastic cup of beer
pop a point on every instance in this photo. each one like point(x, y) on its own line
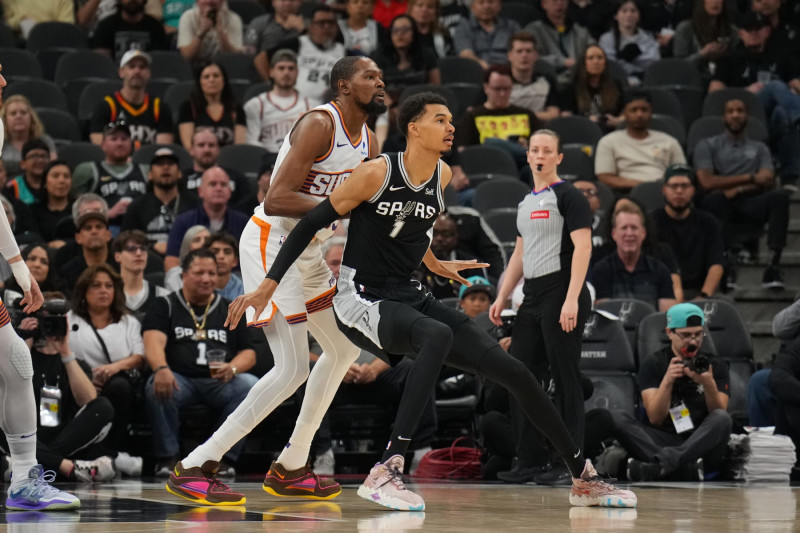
point(216, 358)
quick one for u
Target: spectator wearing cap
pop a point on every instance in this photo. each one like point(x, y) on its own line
point(204, 149)
point(155, 211)
point(484, 36)
point(774, 77)
point(213, 213)
point(738, 179)
point(694, 236)
point(35, 157)
point(687, 425)
point(477, 297)
point(270, 115)
point(130, 28)
point(93, 237)
point(625, 158)
point(208, 29)
point(148, 118)
point(116, 178)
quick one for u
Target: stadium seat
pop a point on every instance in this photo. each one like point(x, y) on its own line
point(605, 194)
point(255, 89)
point(48, 60)
point(705, 127)
point(672, 71)
point(84, 64)
point(91, 95)
point(615, 391)
point(144, 154)
point(56, 35)
point(486, 162)
point(41, 93)
point(244, 158)
point(246, 9)
point(664, 102)
point(740, 372)
point(19, 64)
point(576, 130)
point(576, 164)
point(168, 65)
point(239, 88)
point(450, 196)
point(7, 39)
point(651, 336)
point(545, 68)
point(691, 100)
point(605, 345)
point(649, 194)
point(238, 66)
point(80, 152)
point(503, 221)
point(460, 70)
point(452, 100)
point(467, 94)
point(492, 194)
point(176, 95)
point(59, 124)
point(727, 328)
point(617, 72)
point(522, 12)
point(714, 104)
point(629, 312)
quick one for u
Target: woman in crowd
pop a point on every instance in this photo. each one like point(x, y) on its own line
point(109, 340)
point(627, 43)
point(21, 124)
point(596, 94)
point(404, 60)
point(55, 201)
point(431, 32)
point(707, 35)
point(212, 105)
point(194, 238)
point(362, 35)
point(39, 258)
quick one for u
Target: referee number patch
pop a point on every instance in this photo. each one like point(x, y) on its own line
point(540, 214)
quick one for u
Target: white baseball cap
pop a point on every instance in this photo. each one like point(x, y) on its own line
point(133, 54)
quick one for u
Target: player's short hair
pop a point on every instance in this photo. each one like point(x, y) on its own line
point(344, 69)
point(225, 238)
point(413, 107)
point(200, 253)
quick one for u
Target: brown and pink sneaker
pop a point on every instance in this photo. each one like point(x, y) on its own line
point(200, 485)
point(300, 483)
point(591, 490)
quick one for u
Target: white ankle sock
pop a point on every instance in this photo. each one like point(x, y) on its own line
point(294, 456)
point(23, 456)
point(210, 450)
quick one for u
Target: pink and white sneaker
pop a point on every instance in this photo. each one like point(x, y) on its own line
point(385, 486)
point(591, 490)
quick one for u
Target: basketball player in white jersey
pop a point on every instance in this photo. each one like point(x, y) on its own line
point(270, 115)
point(30, 489)
point(320, 152)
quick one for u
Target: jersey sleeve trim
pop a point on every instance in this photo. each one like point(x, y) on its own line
point(386, 179)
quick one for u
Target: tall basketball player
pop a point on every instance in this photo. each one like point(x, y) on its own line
point(318, 154)
point(393, 203)
point(30, 489)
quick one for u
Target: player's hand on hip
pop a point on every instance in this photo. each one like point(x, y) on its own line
point(451, 269)
point(569, 315)
point(257, 299)
point(32, 300)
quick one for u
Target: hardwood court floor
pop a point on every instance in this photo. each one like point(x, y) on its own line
point(681, 508)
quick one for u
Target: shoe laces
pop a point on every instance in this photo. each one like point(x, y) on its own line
point(396, 478)
point(40, 487)
point(215, 483)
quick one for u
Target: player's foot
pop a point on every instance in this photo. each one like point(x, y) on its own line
point(300, 483)
point(200, 484)
point(36, 494)
point(590, 490)
point(128, 464)
point(385, 486)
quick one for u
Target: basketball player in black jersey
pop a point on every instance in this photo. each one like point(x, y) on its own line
point(393, 202)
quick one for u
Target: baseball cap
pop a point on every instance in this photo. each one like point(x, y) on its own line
point(119, 125)
point(94, 214)
point(284, 54)
point(479, 284)
point(685, 315)
point(753, 21)
point(133, 54)
point(679, 169)
point(164, 153)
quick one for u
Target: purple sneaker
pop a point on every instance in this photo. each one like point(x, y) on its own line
point(36, 494)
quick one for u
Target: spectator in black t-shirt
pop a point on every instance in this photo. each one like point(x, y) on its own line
point(595, 94)
point(149, 119)
point(629, 272)
point(130, 28)
point(785, 36)
point(432, 32)
point(694, 235)
point(93, 237)
point(55, 201)
point(404, 60)
point(687, 426)
point(179, 331)
point(661, 17)
point(212, 105)
point(155, 212)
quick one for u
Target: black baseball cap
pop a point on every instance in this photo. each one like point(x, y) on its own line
point(119, 125)
point(753, 21)
point(679, 169)
point(165, 153)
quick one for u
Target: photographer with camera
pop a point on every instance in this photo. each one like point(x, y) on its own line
point(72, 418)
point(685, 393)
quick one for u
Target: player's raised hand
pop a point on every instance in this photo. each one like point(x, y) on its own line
point(257, 299)
point(451, 269)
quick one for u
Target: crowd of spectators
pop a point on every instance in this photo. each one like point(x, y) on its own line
point(140, 235)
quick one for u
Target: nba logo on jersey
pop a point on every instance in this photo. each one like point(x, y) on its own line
point(540, 214)
point(281, 240)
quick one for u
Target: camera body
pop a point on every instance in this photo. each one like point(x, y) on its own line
point(505, 329)
point(52, 317)
point(697, 364)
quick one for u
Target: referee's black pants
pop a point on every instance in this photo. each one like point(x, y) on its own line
point(538, 341)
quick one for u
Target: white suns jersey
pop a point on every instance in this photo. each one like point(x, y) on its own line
point(270, 118)
point(344, 155)
point(314, 67)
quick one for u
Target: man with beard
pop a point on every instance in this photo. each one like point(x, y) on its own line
point(270, 115)
point(130, 28)
point(318, 154)
point(205, 152)
point(93, 237)
point(737, 176)
point(149, 119)
point(155, 212)
point(35, 157)
point(317, 52)
point(694, 235)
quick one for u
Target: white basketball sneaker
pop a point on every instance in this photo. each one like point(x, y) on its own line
point(385, 486)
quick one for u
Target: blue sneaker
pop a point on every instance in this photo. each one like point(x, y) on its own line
point(36, 494)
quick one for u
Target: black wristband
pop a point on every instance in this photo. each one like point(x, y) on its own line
point(162, 367)
point(302, 234)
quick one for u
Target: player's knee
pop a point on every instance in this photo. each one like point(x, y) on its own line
point(430, 332)
point(20, 357)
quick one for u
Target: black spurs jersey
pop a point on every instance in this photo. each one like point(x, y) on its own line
point(392, 231)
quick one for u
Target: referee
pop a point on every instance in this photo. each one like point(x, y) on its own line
point(553, 248)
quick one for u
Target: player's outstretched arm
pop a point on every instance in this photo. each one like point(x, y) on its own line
point(362, 185)
point(451, 269)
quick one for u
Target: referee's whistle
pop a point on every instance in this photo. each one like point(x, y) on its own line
point(539, 167)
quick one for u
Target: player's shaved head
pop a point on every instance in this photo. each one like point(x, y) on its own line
point(345, 69)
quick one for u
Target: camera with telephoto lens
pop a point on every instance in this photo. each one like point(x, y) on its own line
point(697, 364)
point(52, 318)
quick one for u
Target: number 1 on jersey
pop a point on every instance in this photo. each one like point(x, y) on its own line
point(398, 225)
point(201, 355)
